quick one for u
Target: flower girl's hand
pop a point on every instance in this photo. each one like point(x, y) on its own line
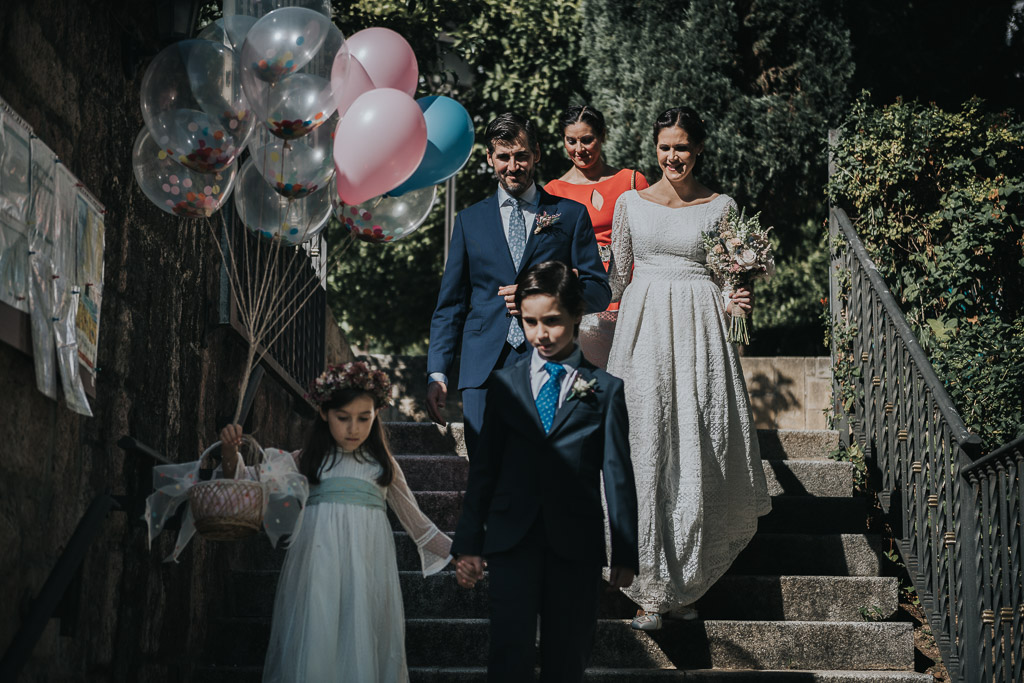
point(230, 440)
point(740, 301)
point(469, 569)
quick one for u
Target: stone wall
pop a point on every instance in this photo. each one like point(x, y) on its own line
point(167, 369)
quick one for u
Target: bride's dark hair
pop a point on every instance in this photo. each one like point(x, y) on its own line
point(689, 121)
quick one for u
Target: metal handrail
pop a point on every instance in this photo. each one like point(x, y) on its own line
point(957, 517)
point(959, 430)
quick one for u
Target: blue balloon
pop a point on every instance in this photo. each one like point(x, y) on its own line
point(449, 143)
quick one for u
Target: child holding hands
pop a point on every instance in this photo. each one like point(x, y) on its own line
point(338, 612)
point(554, 424)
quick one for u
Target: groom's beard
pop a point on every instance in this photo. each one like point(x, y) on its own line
point(518, 184)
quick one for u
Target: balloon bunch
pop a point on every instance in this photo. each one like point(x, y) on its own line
point(327, 122)
point(298, 122)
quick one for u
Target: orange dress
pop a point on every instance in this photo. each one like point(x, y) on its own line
point(599, 198)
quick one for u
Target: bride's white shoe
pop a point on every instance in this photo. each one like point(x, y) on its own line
point(646, 621)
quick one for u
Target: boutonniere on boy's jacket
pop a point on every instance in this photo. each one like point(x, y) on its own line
point(545, 220)
point(582, 389)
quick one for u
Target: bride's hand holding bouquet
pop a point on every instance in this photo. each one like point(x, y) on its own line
point(739, 254)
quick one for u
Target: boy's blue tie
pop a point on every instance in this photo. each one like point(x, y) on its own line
point(516, 247)
point(547, 397)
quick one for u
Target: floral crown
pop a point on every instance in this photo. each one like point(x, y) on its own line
point(355, 375)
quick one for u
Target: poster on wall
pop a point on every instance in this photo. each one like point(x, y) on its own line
point(88, 229)
point(15, 156)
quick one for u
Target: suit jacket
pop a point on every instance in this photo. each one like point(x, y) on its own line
point(518, 472)
point(479, 262)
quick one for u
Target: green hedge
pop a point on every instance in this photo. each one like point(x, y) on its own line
point(936, 197)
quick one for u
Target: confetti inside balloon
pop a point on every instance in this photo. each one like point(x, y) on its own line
point(176, 189)
point(387, 219)
point(193, 104)
point(272, 216)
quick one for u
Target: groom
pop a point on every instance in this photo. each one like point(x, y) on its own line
point(492, 242)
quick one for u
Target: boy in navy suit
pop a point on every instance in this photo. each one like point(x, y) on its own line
point(493, 242)
point(554, 423)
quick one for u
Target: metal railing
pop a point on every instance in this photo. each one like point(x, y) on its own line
point(957, 517)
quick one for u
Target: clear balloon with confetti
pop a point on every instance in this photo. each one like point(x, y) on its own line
point(385, 218)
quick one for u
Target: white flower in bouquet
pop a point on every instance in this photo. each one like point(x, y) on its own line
point(739, 253)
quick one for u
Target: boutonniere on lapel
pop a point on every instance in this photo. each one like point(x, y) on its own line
point(582, 389)
point(544, 220)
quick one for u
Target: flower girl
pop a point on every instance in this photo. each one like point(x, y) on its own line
point(338, 611)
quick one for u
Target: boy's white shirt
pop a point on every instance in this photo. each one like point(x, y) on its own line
point(539, 376)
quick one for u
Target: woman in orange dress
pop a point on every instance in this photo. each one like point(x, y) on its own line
point(597, 186)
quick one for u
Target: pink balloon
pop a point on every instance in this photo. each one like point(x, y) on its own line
point(387, 58)
point(349, 80)
point(378, 145)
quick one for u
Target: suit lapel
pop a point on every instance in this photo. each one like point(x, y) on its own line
point(524, 391)
point(545, 202)
point(496, 233)
point(584, 372)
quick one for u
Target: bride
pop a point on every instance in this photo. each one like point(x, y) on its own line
point(700, 482)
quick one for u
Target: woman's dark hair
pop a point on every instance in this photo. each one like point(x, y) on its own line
point(553, 278)
point(685, 118)
point(508, 127)
point(320, 452)
point(584, 113)
point(689, 121)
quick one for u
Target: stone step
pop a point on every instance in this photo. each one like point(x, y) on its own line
point(479, 675)
point(814, 515)
point(768, 598)
point(767, 554)
point(699, 644)
point(778, 554)
point(425, 438)
point(432, 674)
point(811, 555)
point(431, 473)
point(797, 444)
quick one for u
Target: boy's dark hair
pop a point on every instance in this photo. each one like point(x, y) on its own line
point(320, 453)
point(584, 113)
point(508, 128)
point(553, 278)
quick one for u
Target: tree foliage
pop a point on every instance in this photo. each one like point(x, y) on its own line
point(769, 77)
point(936, 197)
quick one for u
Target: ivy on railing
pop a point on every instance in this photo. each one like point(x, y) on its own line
point(956, 519)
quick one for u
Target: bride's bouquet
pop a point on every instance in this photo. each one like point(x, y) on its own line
point(740, 253)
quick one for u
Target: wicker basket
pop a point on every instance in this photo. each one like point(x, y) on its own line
point(228, 509)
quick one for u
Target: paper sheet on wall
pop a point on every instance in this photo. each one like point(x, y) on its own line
point(42, 274)
point(67, 292)
point(89, 258)
point(15, 139)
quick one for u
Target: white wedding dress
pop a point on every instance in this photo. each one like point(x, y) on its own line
point(699, 478)
point(338, 613)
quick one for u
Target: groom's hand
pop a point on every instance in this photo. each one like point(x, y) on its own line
point(469, 569)
point(509, 292)
point(437, 395)
point(620, 577)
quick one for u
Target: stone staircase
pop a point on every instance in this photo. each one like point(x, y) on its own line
point(803, 602)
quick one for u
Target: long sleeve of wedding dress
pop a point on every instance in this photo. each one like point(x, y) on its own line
point(620, 267)
point(433, 545)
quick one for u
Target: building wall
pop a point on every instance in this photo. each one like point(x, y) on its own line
point(167, 370)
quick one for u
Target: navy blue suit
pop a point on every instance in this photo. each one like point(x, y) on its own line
point(469, 310)
point(533, 509)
